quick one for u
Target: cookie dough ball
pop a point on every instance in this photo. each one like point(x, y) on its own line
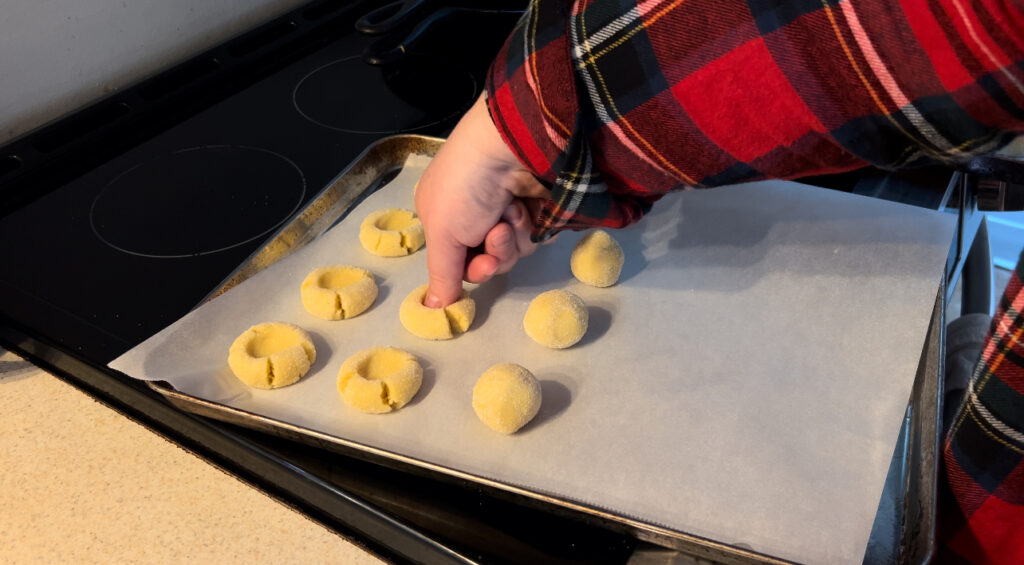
point(436, 323)
point(597, 259)
point(338, 292)
point(506, 397)
point(556, 319)
point(271, 355)
point(379, 380)
point(391, 233)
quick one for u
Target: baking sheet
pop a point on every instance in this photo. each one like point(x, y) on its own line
point(745, 381)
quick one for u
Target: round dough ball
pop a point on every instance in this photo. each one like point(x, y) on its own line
point(597, 259)
point(379, 380)
point(556, 319)
point(338, 292)
point(506, 397)
point(271, 355)
point(436, 323)
point(393, 232)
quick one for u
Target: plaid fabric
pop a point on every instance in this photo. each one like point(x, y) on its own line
point(983, 520)
point(612, 103)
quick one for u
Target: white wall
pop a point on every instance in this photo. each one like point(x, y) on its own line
point(58, 55)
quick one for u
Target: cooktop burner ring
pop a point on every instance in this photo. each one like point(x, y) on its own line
point(447, 82)
point(259, 188)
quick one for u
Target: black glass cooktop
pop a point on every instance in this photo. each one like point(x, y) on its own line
point(122, 230)
point(174, 206)
point(129, 247)
point(404, 97)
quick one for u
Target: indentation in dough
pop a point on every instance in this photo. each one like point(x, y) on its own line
point(393, 232)
point(338, 292)
point(436, 323)
point(379, 380)
point(597, 259)
point(556, 319)
point(271, 355)
point(506, 397)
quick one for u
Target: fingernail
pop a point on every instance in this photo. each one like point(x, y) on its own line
point(431, 301)
point(514, 214)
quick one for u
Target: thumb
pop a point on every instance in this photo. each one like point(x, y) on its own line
point(446, 262)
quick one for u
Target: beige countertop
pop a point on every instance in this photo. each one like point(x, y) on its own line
point(80, 483)
point(83, 484)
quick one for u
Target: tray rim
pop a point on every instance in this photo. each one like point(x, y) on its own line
point(404, 145)
point(660, 535)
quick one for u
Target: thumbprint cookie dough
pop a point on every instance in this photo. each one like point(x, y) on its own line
point(556, 319)
point(436, 323)
point(506, 397)
point(597, 259)
point(391, 233)
point(338, 292)
point(271, 355)
point(379, 380)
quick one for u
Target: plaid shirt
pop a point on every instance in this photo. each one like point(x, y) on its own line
point(984, 451)
point(612, 103)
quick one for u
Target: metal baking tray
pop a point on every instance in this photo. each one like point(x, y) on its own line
point(904, 526)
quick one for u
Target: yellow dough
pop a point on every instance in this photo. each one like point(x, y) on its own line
point(379, 380)
point(338, 292)
point(556, 319)
point(597, 259)
point(391, 233)
point(436, 323)
point(506, 397)
point(271, 355)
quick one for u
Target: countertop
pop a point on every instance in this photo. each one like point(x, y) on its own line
point(83, 484)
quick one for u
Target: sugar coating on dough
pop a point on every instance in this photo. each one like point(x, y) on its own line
point(393, 232)
point(436, 323)
point(597, 259)
point(506, 397)
point(379, 380)
point(338, 292)
point(556, 319)
point(271, 355)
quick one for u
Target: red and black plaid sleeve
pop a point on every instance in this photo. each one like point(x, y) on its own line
point(984, 451)
point(612, 103)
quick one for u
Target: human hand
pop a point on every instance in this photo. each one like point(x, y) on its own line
point(475, 193)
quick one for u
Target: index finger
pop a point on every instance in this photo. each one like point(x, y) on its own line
point(446, 262)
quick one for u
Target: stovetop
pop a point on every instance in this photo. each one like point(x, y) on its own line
point(116, 222)
point(127, 248)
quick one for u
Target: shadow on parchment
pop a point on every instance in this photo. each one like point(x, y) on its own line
point(427, 385)
point(323, 352)
point(731, 230)
point(555, 398)
point(598, 324)
point(631, 241)
point(486, 295)
point(383, 292)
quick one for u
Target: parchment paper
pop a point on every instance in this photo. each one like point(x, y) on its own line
point(745, 381)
